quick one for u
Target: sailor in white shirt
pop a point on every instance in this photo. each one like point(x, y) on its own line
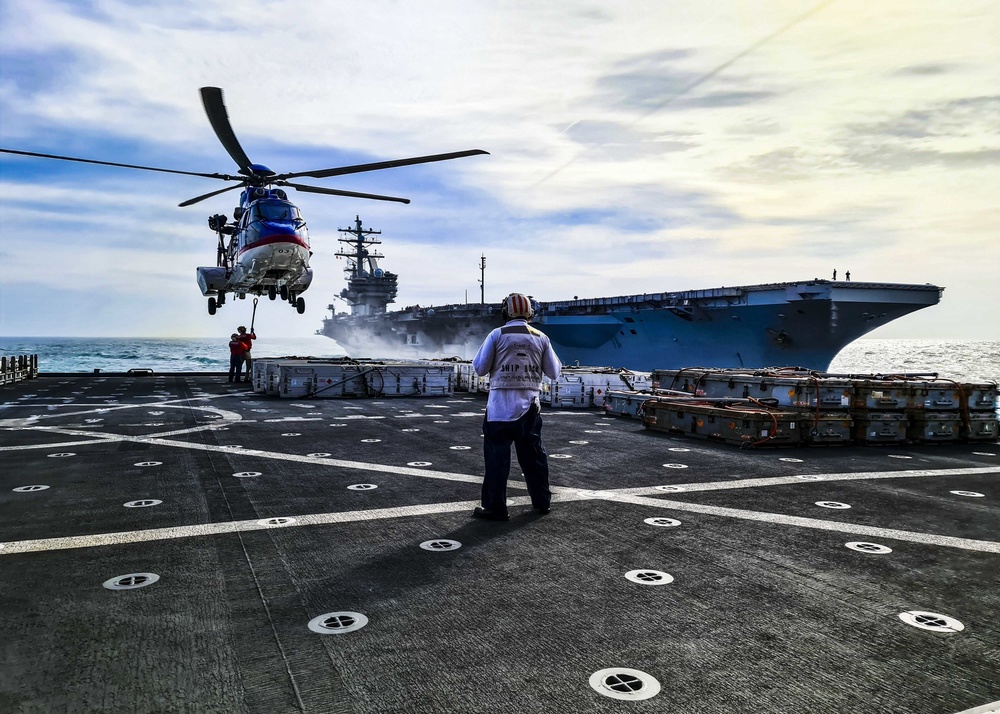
point(515, 356)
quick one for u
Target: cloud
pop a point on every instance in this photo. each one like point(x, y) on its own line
point(865, 136)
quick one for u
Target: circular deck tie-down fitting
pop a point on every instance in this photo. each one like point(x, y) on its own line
point(131, 581)
point(837, 505)
point(662, 522)
point(143, 503)
point(649, 577)
point(338, 623)
point(931, 621)
point(970, 494)
point(624, 683)
point(440, 545)
point(279, 521)
point(863, 547)
point(29, 489)
point(362, 487)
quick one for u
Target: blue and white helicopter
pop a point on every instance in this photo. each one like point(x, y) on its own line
point(266, 247)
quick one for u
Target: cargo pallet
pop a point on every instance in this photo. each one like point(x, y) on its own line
point(867, 409)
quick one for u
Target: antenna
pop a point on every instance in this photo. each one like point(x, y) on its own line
point(482, 279)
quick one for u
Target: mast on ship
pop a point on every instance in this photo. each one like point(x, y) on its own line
point(369, 288)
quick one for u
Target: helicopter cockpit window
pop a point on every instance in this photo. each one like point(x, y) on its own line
point(275, 211)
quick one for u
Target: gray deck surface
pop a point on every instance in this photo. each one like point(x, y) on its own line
point(768, 611)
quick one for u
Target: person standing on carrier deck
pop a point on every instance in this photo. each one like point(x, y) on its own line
point(515, 356)
point(235, 357)
point(247, 340)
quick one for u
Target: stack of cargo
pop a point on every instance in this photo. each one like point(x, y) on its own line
point(734, 422)
point(821, 408)
point(340, 378)
point(581, 387)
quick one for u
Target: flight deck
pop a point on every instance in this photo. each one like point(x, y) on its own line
point(176, 543)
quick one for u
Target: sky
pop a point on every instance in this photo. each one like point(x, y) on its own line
point(634, 147)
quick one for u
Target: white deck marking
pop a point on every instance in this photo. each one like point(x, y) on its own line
point(208, 529)
point(853, 528)
point(993, 708)
point(634, 496)
point(798, 480)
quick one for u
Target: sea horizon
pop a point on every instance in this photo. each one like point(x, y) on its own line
point(963, 360)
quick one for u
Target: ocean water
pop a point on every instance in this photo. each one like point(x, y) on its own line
point(962, 360)
point(120, 354)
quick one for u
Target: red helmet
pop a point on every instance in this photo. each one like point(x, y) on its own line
point(517, 305)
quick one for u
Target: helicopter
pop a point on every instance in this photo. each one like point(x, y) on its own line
point(265, 249)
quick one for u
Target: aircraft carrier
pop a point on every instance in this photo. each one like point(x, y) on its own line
point(804, 323)
point(175, 543)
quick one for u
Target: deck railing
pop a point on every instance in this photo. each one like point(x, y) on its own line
point(18, 367)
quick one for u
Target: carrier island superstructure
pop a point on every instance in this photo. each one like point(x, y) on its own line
point(802, 323)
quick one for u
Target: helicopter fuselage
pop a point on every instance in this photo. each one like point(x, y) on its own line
point(267, 251)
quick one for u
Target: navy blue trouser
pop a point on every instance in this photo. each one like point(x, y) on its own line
point(235, 366)
point(526, 436)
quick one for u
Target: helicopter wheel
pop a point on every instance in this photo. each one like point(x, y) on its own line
point(272, 293)
point(284, 292)
point(212, 305)
point(300, 305)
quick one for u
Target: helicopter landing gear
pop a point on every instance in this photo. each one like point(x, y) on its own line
point(222, 299)
point(284, 293)
point(272, 293)
point(212, 305)
point(300, 305)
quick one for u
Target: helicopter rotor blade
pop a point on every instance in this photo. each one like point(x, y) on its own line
point(196, 199)
point(378, 165)
point(218, 117)
point(337, 192)
point(124, 166)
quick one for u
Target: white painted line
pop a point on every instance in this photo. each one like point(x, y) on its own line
point(786, 480)
point(911, 536)
point(992, 708)
point(208, 529)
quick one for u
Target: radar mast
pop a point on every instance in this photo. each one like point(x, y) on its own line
point(369, 288)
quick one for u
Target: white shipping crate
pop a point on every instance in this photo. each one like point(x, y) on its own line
point(322, 381)
point(567, 391)
point(411, 380)
point(589, 386)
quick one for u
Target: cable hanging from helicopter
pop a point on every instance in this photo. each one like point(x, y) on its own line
point(268, 247)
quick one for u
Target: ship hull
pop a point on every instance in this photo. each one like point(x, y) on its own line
point(802, 324)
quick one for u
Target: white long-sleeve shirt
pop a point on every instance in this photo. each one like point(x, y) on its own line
point(505, 404)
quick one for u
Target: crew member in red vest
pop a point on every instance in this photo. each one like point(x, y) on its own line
point(247, 339)
point(235, 357)
point(515, 357)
